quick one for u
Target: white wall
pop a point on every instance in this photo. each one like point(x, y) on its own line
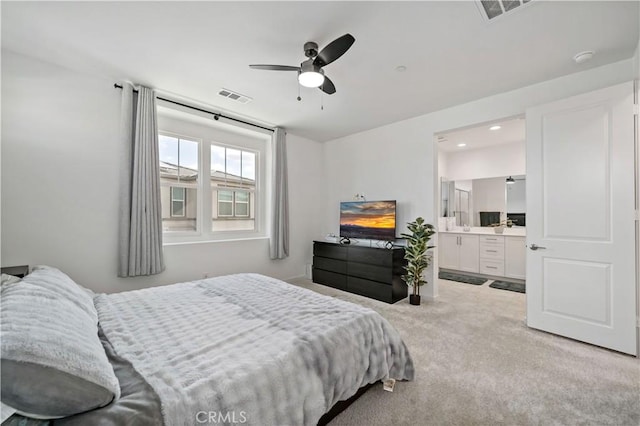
point(492, 161)
point(399, 161)
point(60, 166)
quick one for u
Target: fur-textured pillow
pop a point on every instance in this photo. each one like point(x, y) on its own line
point(53, 363)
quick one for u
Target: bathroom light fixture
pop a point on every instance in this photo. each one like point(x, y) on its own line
point(510, 180)
point(496, 127)
point(310, 75)
point(462, 144)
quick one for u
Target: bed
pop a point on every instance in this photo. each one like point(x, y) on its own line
point(241, 348)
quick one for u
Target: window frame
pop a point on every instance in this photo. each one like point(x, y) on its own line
point(185, 124)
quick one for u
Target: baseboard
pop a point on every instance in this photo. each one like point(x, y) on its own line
point(295, 277)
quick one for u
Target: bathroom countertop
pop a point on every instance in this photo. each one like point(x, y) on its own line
point(514, 231)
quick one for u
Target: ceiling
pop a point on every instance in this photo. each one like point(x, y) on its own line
point(451, 53)
point(510, 131)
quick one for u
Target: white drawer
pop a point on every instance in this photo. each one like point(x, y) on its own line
point(491, 239)
point(492, 267)
point(492, 251)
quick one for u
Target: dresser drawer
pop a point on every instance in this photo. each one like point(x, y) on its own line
point(491, 239)
point(370, 289)
point(492, 267)
point(492, 251)
point(380, 274)
point(330, 279)
point(333, 251)
point(381, 257)
point(332, 265)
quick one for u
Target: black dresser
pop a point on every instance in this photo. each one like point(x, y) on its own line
point(367, 271)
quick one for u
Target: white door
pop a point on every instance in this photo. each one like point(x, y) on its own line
point(448, 250)
point(581, 214)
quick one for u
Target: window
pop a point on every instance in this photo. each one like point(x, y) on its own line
point(225, 203)
point(211, 177)
point(233, 204)
point(233, 182)
point(178, 196)
point(179, 167)
point(241, 204)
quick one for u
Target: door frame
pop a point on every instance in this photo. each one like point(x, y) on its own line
point(498, 117)
point(437, 198)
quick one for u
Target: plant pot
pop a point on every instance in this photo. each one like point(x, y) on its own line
point(498, 229)
point(414, 299)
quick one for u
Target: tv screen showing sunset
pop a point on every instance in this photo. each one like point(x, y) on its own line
point(373, 220)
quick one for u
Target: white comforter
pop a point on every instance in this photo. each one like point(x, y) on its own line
point(250, 349)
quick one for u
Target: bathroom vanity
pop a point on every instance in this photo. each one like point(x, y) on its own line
point(480, 250)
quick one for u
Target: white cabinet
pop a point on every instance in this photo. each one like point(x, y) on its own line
point(497, 255)
point(448, 251)
point(469, 253)
point(515, 257)
point(459, 251)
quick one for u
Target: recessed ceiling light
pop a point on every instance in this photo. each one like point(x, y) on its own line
point(462, 144)
point(401, 68)
point(496, 127)
point(583, 56)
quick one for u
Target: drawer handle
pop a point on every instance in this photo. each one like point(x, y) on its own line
point(491, 251)
point(491, 267)
point(492, 239)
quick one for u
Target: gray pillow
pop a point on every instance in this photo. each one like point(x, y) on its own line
point(53, 363)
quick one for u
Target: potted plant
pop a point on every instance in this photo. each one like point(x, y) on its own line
point(418, 259)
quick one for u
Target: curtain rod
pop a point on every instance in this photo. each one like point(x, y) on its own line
point(216, 115)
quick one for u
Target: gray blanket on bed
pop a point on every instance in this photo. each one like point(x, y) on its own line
point(250, 349)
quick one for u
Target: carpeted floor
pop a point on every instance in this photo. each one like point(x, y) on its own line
point(477, 363)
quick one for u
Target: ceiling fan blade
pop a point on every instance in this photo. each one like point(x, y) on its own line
point(327, 86)
point(334, 50)
point(274, 67)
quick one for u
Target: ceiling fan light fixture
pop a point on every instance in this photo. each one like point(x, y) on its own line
point(311, 79)
point(310, 75)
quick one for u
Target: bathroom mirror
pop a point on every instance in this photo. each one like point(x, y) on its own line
point(494, 197)
point(447, 193)
point(517, 200)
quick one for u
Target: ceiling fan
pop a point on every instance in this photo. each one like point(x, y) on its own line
point(310, 72)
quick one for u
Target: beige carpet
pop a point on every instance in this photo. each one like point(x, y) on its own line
point(478, 364)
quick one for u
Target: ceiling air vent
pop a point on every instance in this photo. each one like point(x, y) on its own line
point(491, 9)
point(234, 96)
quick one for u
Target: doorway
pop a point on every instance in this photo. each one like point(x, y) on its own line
point(483, 205)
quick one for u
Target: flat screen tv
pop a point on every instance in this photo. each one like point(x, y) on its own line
point(371, 220)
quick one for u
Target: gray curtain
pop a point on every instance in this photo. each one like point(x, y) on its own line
point(140, 245)
point(279, 239)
